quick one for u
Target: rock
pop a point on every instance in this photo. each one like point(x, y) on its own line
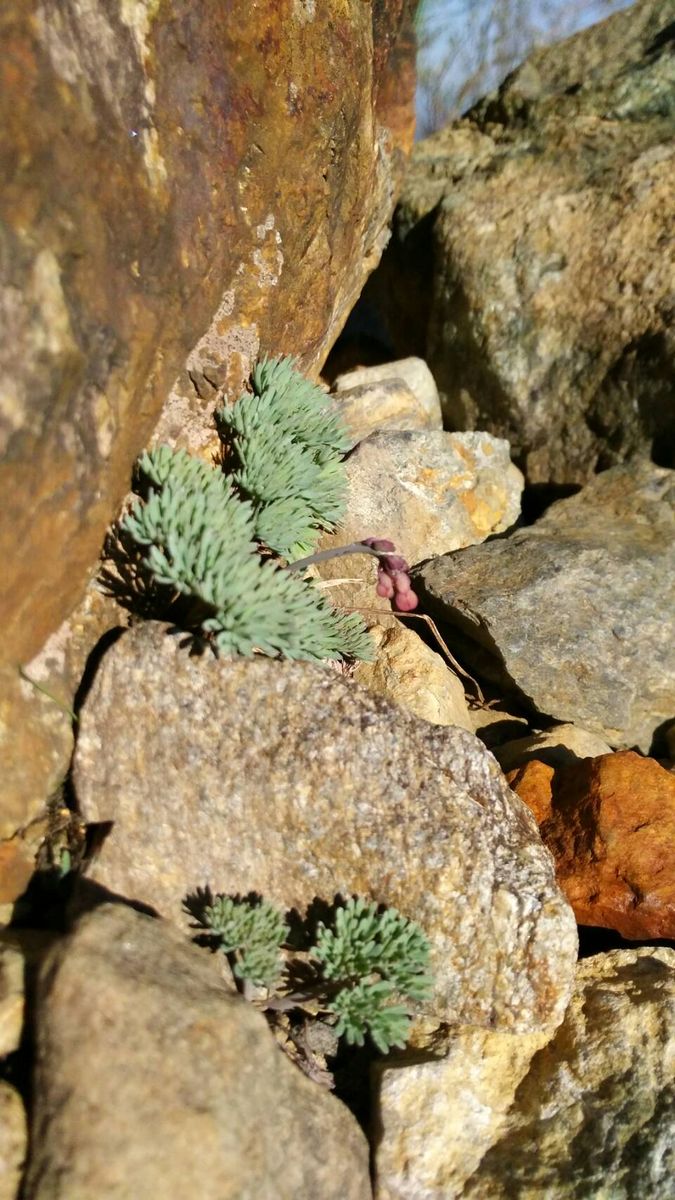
point(113, 290)
point(12, 968)
point(379, 407)
point(407, 672)
point(532, 257)
point(496, 726)
point(36, 727)
point(428, 493)
point(436, 1119)
point(153, 1079)
point(13, 1140)
point(591, 1114)
point(288, 779)
point(575, 612)
point(611, 831)
point(599, 1101)
point(558, 746)
point(533, 782)
point(383, 398)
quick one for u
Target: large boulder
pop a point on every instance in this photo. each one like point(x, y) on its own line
point(153, 1079)
point(182, 185)
point(532, 261)
point(292, 781)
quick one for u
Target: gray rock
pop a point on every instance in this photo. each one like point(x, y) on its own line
point(152, 1079)
point(590, 1115)
point(576, 612)
point(532, 260)
point(290, 780)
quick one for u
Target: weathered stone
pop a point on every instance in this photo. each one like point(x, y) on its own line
point(591, 1114)
point(13, 1139)
point(384, 400)
point(11, 998)
point(385, 405)
point(36, 727)
point(558, 746)
point(153, 1079)
point(427, 492)
point(410, 674)
point(533, 782)
point(595, 1115)
point(532, 260)
point(497, 725)
point(290, 780)
point(611, 831)
point(182, 184)
point(436, 1119)
point(576, 612)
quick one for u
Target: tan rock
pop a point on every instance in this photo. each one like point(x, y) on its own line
point(437, 1119)
point(428, 493)
point(589, 1113)
point(291, 780)
point(385, 405)
point(412, 372)
point(410, 674)
point(13, 1140)
point(12, 967)
point(36, 728)
point(611, 830)
point(558, 746)
point(112, 288)
point(595, 1115)
point(153, 1079)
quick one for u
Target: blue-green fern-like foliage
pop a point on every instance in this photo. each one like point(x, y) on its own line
point(369, 963)
point(289, 444)
point(200, 530)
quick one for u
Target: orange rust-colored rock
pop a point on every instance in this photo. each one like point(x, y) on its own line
point(183, 184)
point(533, 782)
point(610, 826)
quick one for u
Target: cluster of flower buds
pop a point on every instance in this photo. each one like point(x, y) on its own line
point(393, 575)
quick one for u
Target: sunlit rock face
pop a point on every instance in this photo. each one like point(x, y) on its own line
point(183, 185)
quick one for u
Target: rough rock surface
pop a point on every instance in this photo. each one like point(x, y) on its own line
point(591, 1115)
point(436, 1119)
point(152, 1079)
point(611, 830)
point(374, 397)
point(599, 1101)
point(13, 1138)
point(532, 261)
point(428, 493)
point(576, 612)
point(407, 672)
point(182, 184)
point(290, 780)
point(12, 968)
point(36, 726)
point(560, 745)
point(384, 405)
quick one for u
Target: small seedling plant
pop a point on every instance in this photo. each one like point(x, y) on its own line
point(367, 968)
